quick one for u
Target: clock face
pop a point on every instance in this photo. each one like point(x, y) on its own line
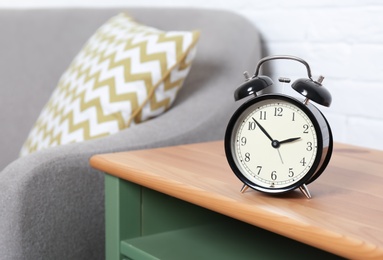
point(274, 143)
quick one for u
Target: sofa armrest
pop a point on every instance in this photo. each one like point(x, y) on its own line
point(52, 202)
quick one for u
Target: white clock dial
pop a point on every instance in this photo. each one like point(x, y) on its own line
point(274, 143)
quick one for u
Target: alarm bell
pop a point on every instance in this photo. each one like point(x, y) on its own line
point(307, 87)
point(313, 90)
point(251, 86)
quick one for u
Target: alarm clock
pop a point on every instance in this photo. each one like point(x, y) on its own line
point(276, 143)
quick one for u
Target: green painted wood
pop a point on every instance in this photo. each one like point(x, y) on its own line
point(224, 240)
point(142, 224)
point(162, 213)
point(122, 214)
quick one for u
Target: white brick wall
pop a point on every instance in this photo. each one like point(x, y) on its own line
point(342, 40)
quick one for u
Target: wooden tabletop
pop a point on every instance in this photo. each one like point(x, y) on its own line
point(344, 216)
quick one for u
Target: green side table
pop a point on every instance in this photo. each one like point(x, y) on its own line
point(183, 202)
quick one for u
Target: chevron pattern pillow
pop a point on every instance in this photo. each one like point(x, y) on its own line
point(125, 74)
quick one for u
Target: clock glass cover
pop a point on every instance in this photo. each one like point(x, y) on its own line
point(275, 143)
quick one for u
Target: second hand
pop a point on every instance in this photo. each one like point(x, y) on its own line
point(280, 156)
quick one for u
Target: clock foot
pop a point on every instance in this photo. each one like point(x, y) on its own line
point(244, 188)
point(305, 191)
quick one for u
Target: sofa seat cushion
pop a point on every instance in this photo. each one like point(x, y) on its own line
point(125, 74)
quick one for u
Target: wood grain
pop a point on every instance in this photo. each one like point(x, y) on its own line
point(343, 217)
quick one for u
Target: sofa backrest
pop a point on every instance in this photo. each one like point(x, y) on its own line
point(37, 46)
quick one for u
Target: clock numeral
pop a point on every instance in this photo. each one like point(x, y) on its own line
point(252, 125)
point(293, 117)
point(309, 146)
point(274, 175)
point(306, 128)
point(243, 141)
point(247, 157)
point(303, 161)
point(262, 115)
point(278, 111)
point(259, 168)
point(291, 173)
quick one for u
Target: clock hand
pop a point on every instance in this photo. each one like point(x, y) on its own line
point(263, 130)
point(289, 140)
point(280, 156)
point(274, 143)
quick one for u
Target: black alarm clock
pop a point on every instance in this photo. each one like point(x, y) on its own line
point(276, 143)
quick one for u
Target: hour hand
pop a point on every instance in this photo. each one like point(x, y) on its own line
point(289, 140)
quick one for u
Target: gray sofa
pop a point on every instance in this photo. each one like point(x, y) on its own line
point(51, 202)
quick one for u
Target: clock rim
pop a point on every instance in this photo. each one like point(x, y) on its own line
point(328, 155)
point(310, 176)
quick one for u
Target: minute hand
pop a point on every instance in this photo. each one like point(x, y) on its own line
point(289, 140)
point(263, 130)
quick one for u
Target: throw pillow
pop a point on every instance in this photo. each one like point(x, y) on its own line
point(125, 74)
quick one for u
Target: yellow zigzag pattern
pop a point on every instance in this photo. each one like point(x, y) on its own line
point(85, 74)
